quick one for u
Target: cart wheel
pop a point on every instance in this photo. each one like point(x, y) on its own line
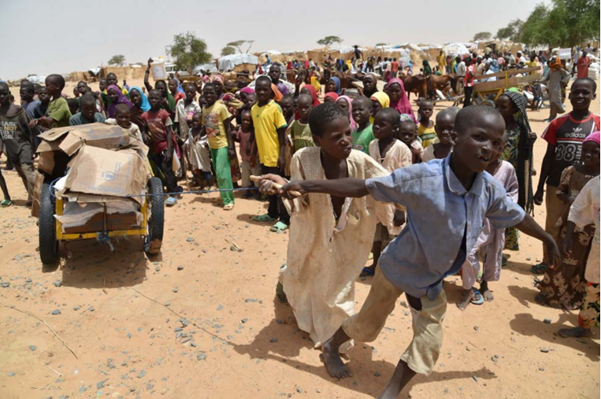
point(156, 221)
point(47, 225)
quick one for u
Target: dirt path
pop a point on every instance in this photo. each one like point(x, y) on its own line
point(201, 321)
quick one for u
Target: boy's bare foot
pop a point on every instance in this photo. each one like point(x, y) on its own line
point(576, 332)
point(466, 298)
point(486, 293)
point(331, 357)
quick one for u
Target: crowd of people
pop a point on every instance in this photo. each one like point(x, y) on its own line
point(373, 178)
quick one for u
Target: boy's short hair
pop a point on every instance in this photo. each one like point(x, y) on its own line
point(363, 99)
point(468, 116)
point(87, 99)
point(58, 79)
point(122, 108)
point(586, 80)
point(286, 97)
point(392, 114)
point(451, 111)
point(72, 102)
point(208, 86)
point(425, 101)
point(263, 78)
point(4, 85)
point(322, 115)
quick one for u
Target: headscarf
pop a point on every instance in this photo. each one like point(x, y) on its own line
point(277, 94)
point(247, 90)
point(402, 105)
point(144, 105)
point(555, 65)
point(382, 98)
point(311, 90)
point(337, 81)
point(350, 111)
point(170, 99)
point(427, 68)
point(594, 137)
point(121, 100)
point(217, 78)
point(332, 95)
point(525, 144)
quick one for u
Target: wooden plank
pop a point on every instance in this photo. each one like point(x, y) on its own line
point(498, 84)
point(509, 72)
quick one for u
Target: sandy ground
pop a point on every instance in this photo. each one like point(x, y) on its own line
point(201, 320)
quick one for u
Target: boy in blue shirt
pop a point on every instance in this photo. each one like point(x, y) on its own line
point(447, 201)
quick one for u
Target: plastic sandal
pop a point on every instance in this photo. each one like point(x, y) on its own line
point(367, 272)
point(6, 203)
point(539, 269)
point(478, 299)
point(264, 218)
point(279, 227)
point(171, 201)
point(228, 207)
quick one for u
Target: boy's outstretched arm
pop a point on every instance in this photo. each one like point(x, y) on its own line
point(347, 187)
point(530, 227)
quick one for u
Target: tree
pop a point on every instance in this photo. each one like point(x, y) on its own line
point(511, 31)
point(188, 51)
point(118, 60)
point(482, 36)
point(239, 43)
point(227, 50)
point(329, 40)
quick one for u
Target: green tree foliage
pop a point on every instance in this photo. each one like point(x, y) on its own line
point(512, 31)
point(329, 40)
point(118, 60)
point(482, 36)
point(227, 50)
point(566, 23)
point(188, 51)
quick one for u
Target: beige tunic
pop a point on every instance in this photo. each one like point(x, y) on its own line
point(325, 257)
point(398, 156)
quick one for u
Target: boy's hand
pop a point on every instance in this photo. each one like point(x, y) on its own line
point(553, 251)
point(266, 184)
point(33, 123)
point(538, 197)
point(149, 62)
point(281, 162)
point(567, 245)
point(231, 152)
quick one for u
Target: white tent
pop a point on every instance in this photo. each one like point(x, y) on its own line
point(230, 61)
point(456, 49)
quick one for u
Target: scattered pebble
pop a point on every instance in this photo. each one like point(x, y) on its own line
point(32, 347)
point(11, 374)
point(244, 320)
point(377, 374)
point(190, 239)
point(544, 350)
point(56, 312)
point(541, 369)
point(201, 356)
point(91, 309)
point(180, 268)
point(220, 307)
point(100, 385)
point(475, 378)
point(299, 390)
point(273, 340)
point(547, 321)
point(476, 328)
point(5, 284)
point(57, 283)
point(141, 374)
point(175, 290)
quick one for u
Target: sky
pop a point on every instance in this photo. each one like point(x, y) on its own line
point(61, 36)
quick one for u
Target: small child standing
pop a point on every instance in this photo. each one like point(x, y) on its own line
point(491, 241)
point(184, 110)
point(216, 123)
point(392, 154)
point(162, 142)
point(363, 135)
point(198, 152)
point(249, 164)
point(445, 130)
point(300, 131)
point(288, 108)
point(408, 135)
point(425, 129)
point(16, 135)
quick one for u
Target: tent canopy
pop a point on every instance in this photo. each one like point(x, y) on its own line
point(229, 62)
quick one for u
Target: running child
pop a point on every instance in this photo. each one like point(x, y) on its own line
point(454, 190)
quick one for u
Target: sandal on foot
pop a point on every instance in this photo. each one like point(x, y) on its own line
point(228, 207)
point(6, 203)
point(539, 269)
point(263, 218)
point(478, 299)
point(279, 227)
point(171, 201)
point(367, 272)
point(504, 260)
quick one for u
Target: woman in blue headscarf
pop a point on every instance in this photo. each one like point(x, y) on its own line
point(333, 85)
point(494, 66)
point(140, 105)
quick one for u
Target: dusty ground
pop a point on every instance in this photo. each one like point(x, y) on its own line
point(201, 321)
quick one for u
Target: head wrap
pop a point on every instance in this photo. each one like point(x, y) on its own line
point(337, 81)
point(523, 161)
point(311, 90)
point(350, 111)
point(402, 105)
point(277, 94)
point(121, 100)
point(247, 90)
point(382, 98)
point(144, 104)
point(332, 95)
point(594, 137)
